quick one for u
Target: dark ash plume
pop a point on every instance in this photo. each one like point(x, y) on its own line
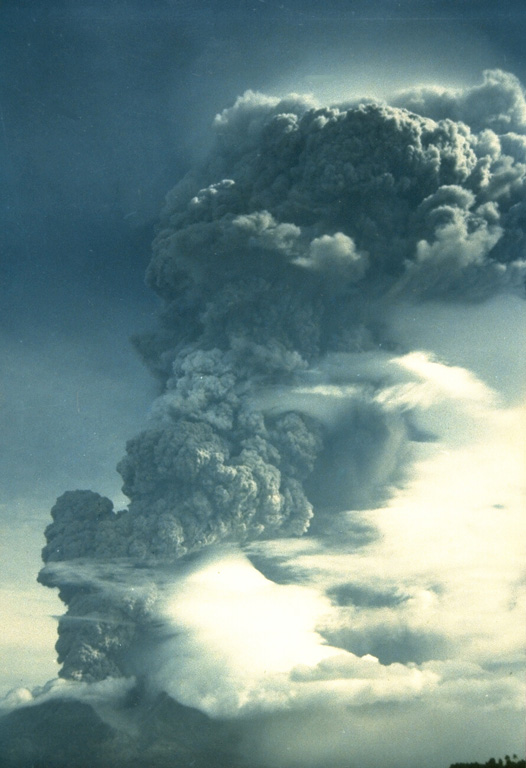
point(285, 247)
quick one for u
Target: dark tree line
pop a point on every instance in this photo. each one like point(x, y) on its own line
point(508, 762)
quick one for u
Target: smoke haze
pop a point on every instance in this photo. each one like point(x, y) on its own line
point(317, 556)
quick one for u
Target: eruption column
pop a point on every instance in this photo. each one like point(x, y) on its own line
point(285, 251)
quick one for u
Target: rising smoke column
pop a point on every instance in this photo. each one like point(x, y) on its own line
point(287, 246)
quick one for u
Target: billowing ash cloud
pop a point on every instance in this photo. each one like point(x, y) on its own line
point(288, 403)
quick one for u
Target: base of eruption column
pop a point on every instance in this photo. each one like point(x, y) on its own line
point(146, 732)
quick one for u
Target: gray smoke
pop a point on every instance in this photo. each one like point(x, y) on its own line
point(285, 247)
point(277, 262)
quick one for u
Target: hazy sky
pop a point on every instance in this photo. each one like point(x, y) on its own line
point(104, 106)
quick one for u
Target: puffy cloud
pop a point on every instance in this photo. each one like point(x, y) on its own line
point(335, 257)
point(73, 533)
point(498, 103)
point(265, 233)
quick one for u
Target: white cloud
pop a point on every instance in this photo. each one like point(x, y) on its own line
point(337, 257)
